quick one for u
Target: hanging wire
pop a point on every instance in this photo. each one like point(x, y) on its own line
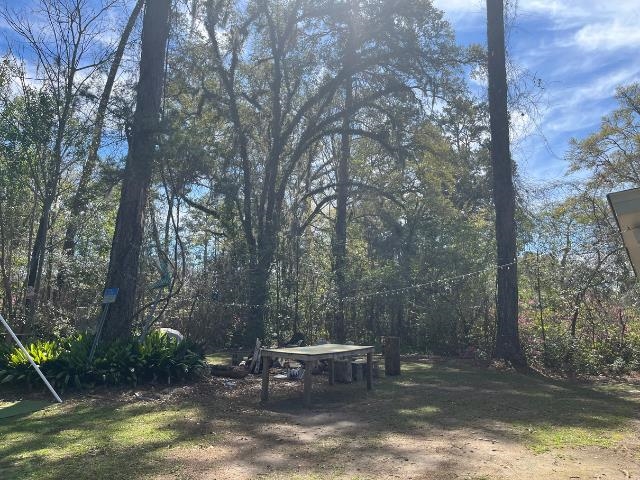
point(441, 281)
point(385, 293)
point(446, 281)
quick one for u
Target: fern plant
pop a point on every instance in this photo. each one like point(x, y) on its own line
point(17, 368)
point(65, 362)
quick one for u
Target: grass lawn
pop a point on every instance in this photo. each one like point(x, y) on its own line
point(438, 420)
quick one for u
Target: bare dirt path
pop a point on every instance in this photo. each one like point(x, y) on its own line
point(464, 423)
point(324, 445)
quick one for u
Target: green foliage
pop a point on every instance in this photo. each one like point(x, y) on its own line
point(5, 348)
point(164, 358)
point(65, 362)
point(581, 355)
point(17, 367)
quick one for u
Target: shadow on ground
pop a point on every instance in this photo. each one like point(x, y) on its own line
point(209, 428)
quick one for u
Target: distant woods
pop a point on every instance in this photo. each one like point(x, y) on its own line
point(261, 169)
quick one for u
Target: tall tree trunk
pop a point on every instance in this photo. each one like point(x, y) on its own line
point(540, 307)
point(80, 197)
point(53, 169)
point(36, 260)
point(258, 294)
point(127, 238)
point(342, 194)
point(507, 339)
point(342, 197)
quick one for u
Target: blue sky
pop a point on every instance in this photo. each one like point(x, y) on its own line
point(580, 49)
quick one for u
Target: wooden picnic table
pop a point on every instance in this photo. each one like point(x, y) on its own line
point(311, 356)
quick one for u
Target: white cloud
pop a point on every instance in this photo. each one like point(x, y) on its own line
point(608, 36)
point(460, 6)
point(562, 11)
point(581, 49)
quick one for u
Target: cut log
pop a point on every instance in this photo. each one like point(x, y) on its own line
point(228, 372)
point(391, 355)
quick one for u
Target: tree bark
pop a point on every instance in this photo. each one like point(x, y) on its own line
point(391, 347)
point(127, 239)
point(36, 259)
point(340, 245)
point(342, 195)
point(6, 262)
point(507, 340)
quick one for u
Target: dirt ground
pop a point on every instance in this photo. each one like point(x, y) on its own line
point(444, 454)
point(448, 420)
point(353, 435)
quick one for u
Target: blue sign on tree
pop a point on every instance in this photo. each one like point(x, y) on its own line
point(110, 295)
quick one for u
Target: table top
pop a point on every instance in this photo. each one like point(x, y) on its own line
point(318, 352)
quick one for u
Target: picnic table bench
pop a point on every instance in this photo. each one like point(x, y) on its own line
point(311, 356)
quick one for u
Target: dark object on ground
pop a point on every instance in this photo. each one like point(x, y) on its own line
point(342, 371)
point(359, 369)
point(228, 371)
point(391, 348)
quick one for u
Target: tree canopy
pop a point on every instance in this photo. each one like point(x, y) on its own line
point(288, 167)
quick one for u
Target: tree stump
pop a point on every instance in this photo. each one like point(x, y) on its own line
point(391, 347)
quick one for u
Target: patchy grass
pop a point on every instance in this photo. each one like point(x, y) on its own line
point(541, 412)
point(443, 409)
point(547, 437)
point(218, 358)
point(58, 441)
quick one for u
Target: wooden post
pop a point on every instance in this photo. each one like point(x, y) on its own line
point(308, 367)
point(264, 395)
point(392, 356)
point(332, 372)
point(256, 355)
point(369, 370)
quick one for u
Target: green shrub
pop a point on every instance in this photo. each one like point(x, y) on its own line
point(165, 359)
point(582, 354)
point(71, 368)
point(117, 364)
point(5, 349)
point(65, 362)
point(17, 368)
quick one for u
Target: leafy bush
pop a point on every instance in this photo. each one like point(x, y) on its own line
point(65, 362)
point(582, 355)
point(17, 368)
point(164, 358)
point(5, 349)
point(117, 364)
point(71, 366)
